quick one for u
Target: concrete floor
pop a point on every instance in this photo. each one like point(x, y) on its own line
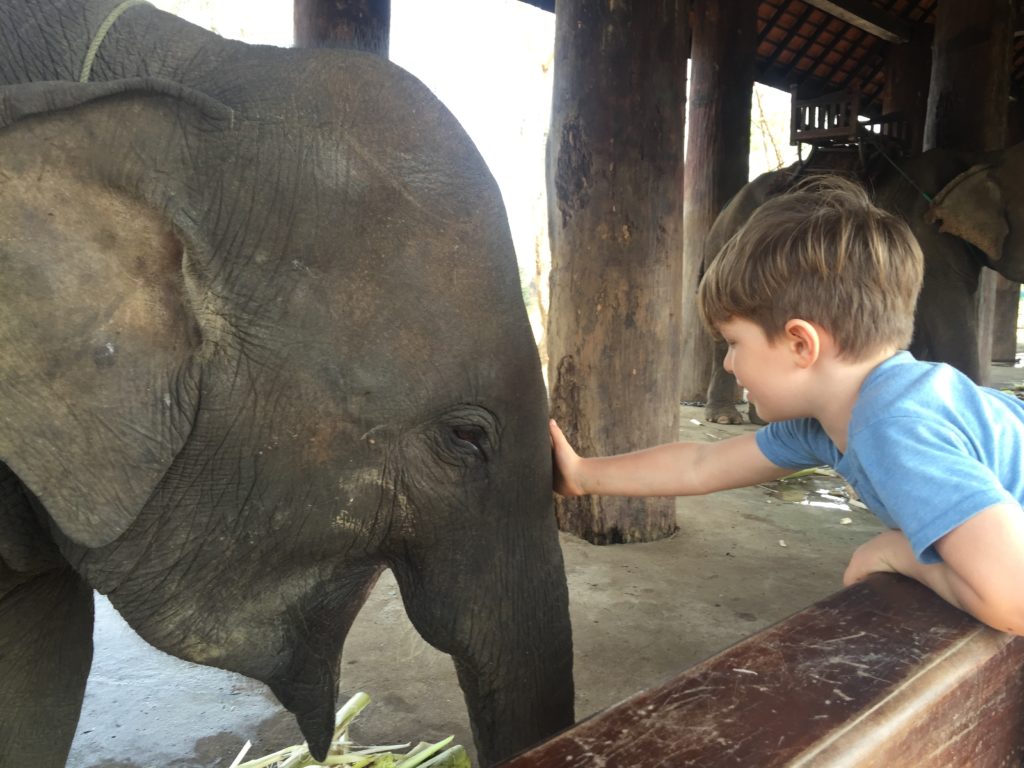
point(741, 561)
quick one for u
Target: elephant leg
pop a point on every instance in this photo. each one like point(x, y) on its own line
point(46, 616)
point(721, 406)
point(946, 323)
point(45, 654)
point(753, 415)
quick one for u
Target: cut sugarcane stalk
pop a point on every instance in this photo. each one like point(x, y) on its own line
point(344, 753)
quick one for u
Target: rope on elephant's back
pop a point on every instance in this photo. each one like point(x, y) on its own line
point(101, 33)
point(928, 198)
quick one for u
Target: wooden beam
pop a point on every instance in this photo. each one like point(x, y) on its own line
point(882, 673)
point(868, 17)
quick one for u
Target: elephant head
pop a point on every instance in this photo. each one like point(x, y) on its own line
point(984, 206)
point(252, 356)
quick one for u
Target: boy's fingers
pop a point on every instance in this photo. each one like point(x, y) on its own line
point(561, 452)
point(557, 435)
point(557, 438)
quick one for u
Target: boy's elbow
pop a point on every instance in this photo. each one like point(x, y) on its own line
point(1013, 626)
point(1014, 619)
point(1005, 615)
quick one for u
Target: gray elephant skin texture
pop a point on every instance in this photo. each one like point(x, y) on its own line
point(261, 337)
point(966, 211)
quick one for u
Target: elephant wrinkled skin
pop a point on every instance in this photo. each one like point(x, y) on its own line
point(967, 212)
point(261, 337)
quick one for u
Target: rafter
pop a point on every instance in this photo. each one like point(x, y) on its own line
point(866, 16)
point(544, 5)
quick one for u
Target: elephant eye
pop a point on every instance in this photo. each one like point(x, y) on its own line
point(471, 438)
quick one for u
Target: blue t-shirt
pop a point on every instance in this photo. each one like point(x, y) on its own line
point(926, 450)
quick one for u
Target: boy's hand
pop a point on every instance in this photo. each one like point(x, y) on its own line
point(887, 552)
point(566, 464)
point(981, 570)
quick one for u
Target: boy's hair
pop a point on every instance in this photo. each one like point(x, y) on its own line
point(822, 252)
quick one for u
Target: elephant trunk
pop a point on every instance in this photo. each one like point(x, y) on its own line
point(505, 622)
point(525, 694)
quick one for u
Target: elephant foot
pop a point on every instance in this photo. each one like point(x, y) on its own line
point(752, 415)
point(722, 414)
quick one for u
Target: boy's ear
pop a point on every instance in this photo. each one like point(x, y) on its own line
point(804, 341)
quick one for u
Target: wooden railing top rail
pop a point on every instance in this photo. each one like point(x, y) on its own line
point(835, 97)
point(881, 674)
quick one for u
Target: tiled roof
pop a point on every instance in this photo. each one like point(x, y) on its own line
point(823, 46)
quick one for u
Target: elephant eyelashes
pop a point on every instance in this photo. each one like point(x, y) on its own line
point(470, 438)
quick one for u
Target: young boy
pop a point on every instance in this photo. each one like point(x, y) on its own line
point(815, 297)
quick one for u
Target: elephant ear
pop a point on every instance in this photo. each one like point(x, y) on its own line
point(972, 208)
point(98, 329)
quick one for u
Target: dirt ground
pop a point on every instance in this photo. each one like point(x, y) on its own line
point(741, 561)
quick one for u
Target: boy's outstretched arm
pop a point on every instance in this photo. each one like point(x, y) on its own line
point(673, 469)
point(981, 572)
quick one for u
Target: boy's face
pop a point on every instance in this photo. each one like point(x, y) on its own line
point(764, 367)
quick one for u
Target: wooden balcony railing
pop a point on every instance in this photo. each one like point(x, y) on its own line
point(835, 118)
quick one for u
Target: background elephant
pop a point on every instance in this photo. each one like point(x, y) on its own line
point(261, 337)
point(967, 212)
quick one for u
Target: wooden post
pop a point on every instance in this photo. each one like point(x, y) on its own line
point(1004, 323)
point(907, 74)
point(717, 154)
point(970, 79)
point(615, 186)
point(360, 24)
point(967, 102)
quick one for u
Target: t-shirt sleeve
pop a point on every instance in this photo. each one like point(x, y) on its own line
point(796, 444)
point(928, 477)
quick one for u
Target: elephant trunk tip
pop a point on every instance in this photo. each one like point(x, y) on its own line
point(318, 733)
point(313, 708)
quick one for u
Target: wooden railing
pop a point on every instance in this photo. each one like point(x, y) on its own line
point(835, 118)
point(832, 116)
point(881, 674)
point(892, 126)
